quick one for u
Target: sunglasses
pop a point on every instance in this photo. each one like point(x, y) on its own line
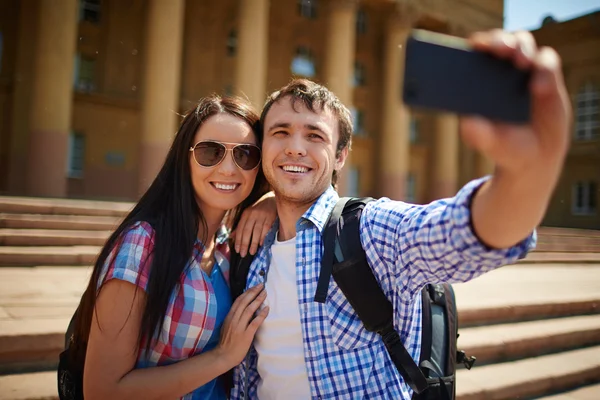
point(210, 154)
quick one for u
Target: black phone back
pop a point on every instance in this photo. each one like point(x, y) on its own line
point(442, 76)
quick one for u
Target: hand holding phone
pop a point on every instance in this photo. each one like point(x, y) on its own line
point(443, 73)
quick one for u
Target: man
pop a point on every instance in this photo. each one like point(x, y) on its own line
point(306, 349)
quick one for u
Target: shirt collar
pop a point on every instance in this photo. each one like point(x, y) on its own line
point(319, 212)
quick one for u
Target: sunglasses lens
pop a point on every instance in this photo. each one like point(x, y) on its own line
point(246, 156)
point(209, 154)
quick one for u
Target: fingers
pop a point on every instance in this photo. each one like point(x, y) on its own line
point(249, 311)
point(265, 230)
point(256, 237)
point(526, 49)
point(548, 74)
point(520, 47)
point(258, 320)
point(240, 304)
point(551, 106)
point(245, 236)
point(240, 227)
point(477, 133)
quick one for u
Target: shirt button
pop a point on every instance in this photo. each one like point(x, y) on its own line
point(261, 272)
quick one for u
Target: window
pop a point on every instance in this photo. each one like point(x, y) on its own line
point(85, 73)
point(413, 133)
point(411, 188)
point(232, 43)
point(303, 63)
point(353, 182)
point(357, 121)
point(361, 22)
point(89, 10)
point(307, 8)
point(587, 111)
point(585, 198)
point(358, 78)
point(76, 155)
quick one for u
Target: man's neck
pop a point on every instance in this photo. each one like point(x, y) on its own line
point(289, 213)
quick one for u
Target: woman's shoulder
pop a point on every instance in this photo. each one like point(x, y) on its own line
point(142, 229)
point(131, 255)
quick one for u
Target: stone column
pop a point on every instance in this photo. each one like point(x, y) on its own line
point(21, 98)
point(395, 145)
point(444, 182)
point(160, 101)
point(339, 62)
point(252, 51)
point(52, 98)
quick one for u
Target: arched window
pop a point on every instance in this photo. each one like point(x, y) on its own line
point(303, 63)
point(587, 112)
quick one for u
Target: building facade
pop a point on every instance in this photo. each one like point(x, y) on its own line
point(575, 202)
point(91, 91)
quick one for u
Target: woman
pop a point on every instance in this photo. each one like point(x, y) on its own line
point(156, 320)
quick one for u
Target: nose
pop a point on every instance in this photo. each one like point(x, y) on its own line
point(227, 167)
point(295, 146)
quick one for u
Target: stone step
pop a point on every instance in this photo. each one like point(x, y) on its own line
point(552, 308)
point(520, 379)
point(552, 231)
point(591, 392)
point(29, 205)
point(30, 386)
point(567, 247)
point(31, 344)
point(32, 331)
point(530, 377)
point(527, 339)
point(52, 237)
point(538, 257)
point(64, 222)
point(48, 255)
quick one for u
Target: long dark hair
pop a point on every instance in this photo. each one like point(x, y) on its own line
point(170, 207)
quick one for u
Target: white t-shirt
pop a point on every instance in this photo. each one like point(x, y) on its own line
point(278, 341)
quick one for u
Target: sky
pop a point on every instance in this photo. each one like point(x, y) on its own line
point(528, 14)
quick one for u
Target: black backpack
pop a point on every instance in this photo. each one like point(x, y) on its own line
point(345, 260)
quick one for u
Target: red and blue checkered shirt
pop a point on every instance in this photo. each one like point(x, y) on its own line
point(192, 310)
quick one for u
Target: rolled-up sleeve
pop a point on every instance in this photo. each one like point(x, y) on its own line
point(411, 245)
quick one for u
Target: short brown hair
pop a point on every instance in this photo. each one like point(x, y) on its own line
point(315, 97)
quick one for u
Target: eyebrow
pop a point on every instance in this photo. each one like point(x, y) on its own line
point(287, 126)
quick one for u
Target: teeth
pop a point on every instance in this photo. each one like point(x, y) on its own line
point(294, 168)
point(224, 186)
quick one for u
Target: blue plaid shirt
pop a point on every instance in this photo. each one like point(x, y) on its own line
point(407, 246)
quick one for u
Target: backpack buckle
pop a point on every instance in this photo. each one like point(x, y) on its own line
point(462, 358)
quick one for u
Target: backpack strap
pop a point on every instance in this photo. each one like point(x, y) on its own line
point(355, 278)
point(328, 253)
point(238, 272)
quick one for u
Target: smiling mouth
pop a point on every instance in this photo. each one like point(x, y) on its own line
point(225, 187)
point(295, 169)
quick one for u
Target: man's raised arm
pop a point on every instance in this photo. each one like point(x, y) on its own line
point(528, 159)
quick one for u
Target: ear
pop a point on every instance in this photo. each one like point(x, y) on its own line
point(339, 163)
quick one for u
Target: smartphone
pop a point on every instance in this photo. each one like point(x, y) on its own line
point(443, 73)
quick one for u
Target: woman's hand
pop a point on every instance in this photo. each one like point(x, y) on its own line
point(240, 325)
point(255, 224)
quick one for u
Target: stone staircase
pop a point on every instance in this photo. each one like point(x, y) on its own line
point(534, 327)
